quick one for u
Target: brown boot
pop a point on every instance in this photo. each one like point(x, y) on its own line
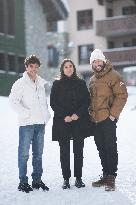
point(110, 183)
point(100, 182)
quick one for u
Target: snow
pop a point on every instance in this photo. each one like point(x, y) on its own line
point(125, 183)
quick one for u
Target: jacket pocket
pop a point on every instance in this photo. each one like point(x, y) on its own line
point(25, 114)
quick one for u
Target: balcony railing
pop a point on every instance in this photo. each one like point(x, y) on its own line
point(116, 26)
point(121, 56)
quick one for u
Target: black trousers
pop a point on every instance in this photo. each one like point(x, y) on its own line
point(78, 145)
point(106, 142)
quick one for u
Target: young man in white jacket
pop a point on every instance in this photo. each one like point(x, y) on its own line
point(28, 99)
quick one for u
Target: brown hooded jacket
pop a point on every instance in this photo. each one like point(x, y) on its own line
point(108, 94)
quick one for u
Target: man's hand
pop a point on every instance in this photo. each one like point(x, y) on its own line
point(74, 117)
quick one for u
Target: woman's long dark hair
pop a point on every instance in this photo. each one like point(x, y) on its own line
point(62, 75)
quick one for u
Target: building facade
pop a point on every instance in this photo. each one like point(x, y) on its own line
point(23, 28)
point(12, 35)
point(81, 26)
point(119, 30)
point(106, 24)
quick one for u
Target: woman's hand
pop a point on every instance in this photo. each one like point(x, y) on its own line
point(71, 118)
point(74, 117)
point(67, 119)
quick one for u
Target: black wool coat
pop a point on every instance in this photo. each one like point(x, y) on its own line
point(70, 96)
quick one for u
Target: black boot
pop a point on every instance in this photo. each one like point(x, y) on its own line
point(79, 183)
point(100, 182)
point(66, 184)
point(39, 185)
point(24, 187)
point(110, 183)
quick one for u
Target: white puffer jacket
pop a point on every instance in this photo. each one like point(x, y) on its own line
point(28, 99)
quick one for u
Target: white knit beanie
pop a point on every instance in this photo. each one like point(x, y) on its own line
point(97, 54)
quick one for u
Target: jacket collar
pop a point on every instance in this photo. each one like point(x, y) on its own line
point(39, 81)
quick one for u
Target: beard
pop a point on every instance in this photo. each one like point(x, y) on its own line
point(100, 68)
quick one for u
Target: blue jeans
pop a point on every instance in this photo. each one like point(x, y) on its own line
point(31, 134)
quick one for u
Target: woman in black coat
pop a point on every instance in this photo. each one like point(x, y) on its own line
point(70, 100)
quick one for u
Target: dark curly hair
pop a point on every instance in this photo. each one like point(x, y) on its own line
point(62, 75)
point(32, 59)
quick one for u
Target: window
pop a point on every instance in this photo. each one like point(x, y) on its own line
point(130, 43)
point(53, 56)
point(84, 53)
point(129, 10)
point(1, 16)
point(7, 17)
point(84, 19)
point(100, 2)
point(127, 44)
point(134, 42)
point(11, 63)
point(2, 61)
point(111, 44)
point(11, 17)
point(109, 12)
point(51, 26)
point(20, 62)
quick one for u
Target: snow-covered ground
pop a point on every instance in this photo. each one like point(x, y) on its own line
point(126, 181)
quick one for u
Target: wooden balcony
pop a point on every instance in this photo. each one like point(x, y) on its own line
point(121, 56)
point(116, 26)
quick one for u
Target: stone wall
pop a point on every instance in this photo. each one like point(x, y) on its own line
point(35, 33)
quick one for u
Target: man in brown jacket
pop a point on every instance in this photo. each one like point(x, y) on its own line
point(109, 95)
